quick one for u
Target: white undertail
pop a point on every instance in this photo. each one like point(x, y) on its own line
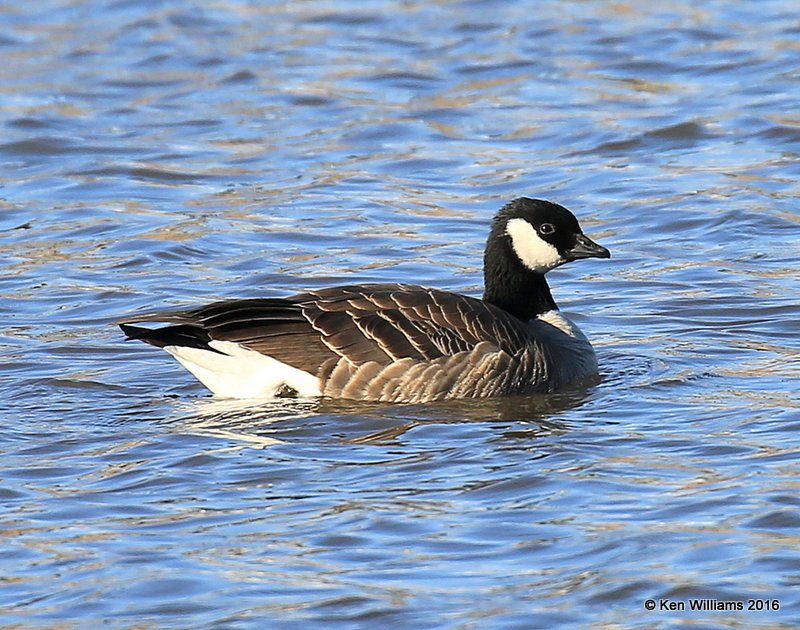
point(236, 372)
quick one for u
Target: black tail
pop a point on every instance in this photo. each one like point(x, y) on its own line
point(182, 335)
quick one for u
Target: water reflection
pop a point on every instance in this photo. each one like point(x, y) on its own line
point(247, 421)
point(265, 423)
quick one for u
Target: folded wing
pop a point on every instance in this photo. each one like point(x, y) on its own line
point(357, 339)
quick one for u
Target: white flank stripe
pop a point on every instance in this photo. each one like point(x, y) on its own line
point(242, 373)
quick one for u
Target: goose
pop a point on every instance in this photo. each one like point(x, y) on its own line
point(399, 342)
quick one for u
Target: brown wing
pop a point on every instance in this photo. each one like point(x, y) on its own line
point(385, 323)
point(275, 327)
point(376, 324)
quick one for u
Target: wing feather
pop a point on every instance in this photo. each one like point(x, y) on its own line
point(365, 339)
point(272, 326)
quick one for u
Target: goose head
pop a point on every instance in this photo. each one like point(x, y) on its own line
point(543, 235)
point(529, 237)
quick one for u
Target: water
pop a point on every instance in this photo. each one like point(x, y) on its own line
point(162, 154)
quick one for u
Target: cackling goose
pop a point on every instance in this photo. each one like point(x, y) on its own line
point(399, 342)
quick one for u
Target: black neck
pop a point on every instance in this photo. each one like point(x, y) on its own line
point(513, 287)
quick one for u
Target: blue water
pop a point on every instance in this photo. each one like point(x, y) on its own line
point(166, 154)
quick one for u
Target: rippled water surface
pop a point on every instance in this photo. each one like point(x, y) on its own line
point(161, 154)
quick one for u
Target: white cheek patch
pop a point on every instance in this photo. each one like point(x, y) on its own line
point(534, 252)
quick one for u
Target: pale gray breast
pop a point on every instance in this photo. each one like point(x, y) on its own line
point(570, 357)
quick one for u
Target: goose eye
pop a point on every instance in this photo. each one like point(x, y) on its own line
point(546, 228)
